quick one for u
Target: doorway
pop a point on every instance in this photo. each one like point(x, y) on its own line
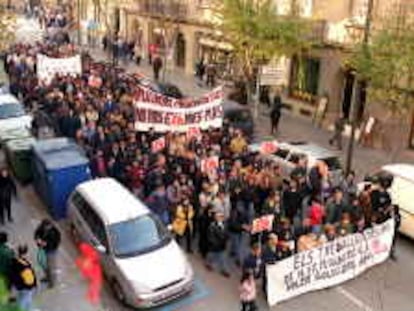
point(180, 51)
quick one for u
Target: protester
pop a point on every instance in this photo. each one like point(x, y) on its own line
point(47, 237)
point(23, 278)
point(183, 223)
point(7, 191)
point(217, 237)
point(248, 292)
point(6, 259)
point(275, 114)
point(337, 136)
point(157, 66)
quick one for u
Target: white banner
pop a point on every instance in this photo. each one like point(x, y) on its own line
point(48, 67)
point(162, 113)
point(329, 264)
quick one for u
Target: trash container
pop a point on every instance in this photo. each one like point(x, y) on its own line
point(59, 165)
point(19, 157)
point(14, 133)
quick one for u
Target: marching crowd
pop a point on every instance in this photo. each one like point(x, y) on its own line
point(209, 210)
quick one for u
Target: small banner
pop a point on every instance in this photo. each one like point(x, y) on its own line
point(158, 145)
point(268, 147)
point(210, 164)
point(48, 67)
point(262, 224)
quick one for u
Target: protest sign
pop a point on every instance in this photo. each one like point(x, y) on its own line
point(268, 147)
point(329, 264)
point(48, 67)
point(261, 224)
point(193, 132)
point(163, 113)
point(210, 164)
point(158, 145)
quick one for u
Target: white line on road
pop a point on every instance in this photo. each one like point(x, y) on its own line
point(353, 298)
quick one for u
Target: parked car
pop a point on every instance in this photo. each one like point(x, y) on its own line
point(240, 117)
point(141, 260)
point(288, 154)
point(167, 89)
point(399, 181)
point(12, 113)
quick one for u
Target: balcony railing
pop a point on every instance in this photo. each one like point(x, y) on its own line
point(174, 9)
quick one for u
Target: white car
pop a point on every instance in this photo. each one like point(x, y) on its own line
point(288, 153)
point(401, 190)
point(12, 114)
point(142, 262)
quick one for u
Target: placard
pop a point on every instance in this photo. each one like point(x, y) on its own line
point(48, 67)
point(209, 164)
point(162, 113)
point(329, 264)
point(261, 224)
point(158, 145)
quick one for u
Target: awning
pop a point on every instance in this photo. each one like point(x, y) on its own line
point(220, 45)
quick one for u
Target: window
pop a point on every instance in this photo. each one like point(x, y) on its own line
point(93, 221)
point(305, 78)
point(282, 153)
point(295, 157)
point(11, 111)
point(138, 235)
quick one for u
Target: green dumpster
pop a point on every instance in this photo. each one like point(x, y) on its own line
point(13, 134)
point(19, 157)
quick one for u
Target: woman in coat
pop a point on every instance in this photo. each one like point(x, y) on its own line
point(183, 223)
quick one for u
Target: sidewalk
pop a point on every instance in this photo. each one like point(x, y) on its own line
point(366, 160)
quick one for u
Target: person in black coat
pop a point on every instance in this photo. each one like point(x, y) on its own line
point(275, 114)
point(48, 237)
point(217, 237)
point(7, 190)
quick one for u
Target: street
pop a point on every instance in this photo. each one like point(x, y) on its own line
point(385, 287)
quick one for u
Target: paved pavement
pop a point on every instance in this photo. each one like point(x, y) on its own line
point(385, 287)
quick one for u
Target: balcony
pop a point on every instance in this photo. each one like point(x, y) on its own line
point(173, 9)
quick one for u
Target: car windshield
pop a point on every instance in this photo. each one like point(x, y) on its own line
point(137, 236)
point(332, 163)
point(11, 111)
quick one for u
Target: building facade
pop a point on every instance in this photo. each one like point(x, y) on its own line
point(184, 31)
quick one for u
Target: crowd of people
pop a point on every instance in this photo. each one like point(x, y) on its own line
point(210, 211)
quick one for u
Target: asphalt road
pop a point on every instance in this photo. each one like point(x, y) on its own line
point(386, 287)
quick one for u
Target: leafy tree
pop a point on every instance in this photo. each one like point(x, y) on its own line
point(387, 64)
point(258, 33)
point(7, 28)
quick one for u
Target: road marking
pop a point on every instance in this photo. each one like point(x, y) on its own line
point(355, 300)
point(200, 291)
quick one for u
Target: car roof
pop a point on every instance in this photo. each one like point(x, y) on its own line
point(403, 170)
point(8, 99)
point(229, 105)
point(310, 149)
point(112, 201)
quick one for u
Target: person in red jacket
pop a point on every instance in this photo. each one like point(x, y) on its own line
point(135, 176)
point(316, 215)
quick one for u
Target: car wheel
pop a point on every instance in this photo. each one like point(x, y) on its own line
point(118, 292)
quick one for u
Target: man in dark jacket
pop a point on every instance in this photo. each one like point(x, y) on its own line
point(48, 237)
point(275, 114)
point(217, 237)
point(23, 278)
point(6, 258)
point(156, 66)
point(7, 190)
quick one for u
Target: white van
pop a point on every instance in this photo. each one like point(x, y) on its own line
point(12, 114)
point(402, 193)
point(142, 262)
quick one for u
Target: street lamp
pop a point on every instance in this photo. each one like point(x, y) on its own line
point(356, 101)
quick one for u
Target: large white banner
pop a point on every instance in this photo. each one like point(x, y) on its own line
point(329, 264)
point(48, 67)
point(162, 113)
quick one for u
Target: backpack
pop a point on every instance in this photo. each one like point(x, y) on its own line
point(27, 273)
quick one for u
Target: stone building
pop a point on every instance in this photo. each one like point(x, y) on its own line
point(184, 31)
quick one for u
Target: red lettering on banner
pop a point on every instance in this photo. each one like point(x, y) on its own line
point(141, 114)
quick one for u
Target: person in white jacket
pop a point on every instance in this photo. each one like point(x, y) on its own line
point(248, 292)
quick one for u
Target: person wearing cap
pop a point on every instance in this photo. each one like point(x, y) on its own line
point(217, 237)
